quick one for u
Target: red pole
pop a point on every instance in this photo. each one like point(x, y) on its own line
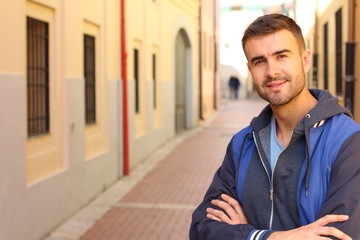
point(124, 91)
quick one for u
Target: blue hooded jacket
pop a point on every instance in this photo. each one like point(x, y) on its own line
point(317, 174)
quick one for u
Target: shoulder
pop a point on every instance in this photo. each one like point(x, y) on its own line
point(334, 134)
point(343, 124)
point(239, 137)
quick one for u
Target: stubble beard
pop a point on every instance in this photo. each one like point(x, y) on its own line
point(281, 99)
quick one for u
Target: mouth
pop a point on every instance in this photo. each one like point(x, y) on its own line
point(275, 84)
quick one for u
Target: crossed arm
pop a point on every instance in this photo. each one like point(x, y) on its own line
point(231, 212)
point(228, 221)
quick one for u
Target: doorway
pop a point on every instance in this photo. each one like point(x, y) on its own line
point(182, 82)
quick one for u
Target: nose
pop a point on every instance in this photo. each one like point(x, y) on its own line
point(272, 69)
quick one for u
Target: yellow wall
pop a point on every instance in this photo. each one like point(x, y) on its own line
point(151, 27)
point(9, 62)
point(210, 78)
point(326, 11)
point(45, 153)
point(357, 63)
point(327, 15)
point(52, 176)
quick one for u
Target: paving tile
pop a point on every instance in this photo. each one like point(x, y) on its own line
point(157, 201)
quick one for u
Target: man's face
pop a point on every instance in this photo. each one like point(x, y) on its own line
point(277, 66)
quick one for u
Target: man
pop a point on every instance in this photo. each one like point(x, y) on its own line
point(234, 84)
point(294, 173)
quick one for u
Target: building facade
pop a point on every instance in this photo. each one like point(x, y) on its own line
point(356, 23)
point(171, 70)
point(60, 85)
point(329, 29)
point(63, 90)
point(209, 75)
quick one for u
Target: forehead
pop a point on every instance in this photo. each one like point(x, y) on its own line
point(270, 43)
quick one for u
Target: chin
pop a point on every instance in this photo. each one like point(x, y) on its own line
point(279, 103)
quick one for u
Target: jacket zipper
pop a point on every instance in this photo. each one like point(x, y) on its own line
point(270, 182)
point(272, 191)
point(271, 179)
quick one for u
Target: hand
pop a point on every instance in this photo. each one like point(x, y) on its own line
point(314, 231)
point(231, 213)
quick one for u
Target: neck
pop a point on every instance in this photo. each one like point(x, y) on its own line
point(289, 115)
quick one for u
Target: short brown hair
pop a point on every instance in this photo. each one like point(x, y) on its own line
point(272, 23)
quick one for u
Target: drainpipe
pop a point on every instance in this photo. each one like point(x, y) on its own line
point(201, 117)
point(350, 60)
point(124, 91)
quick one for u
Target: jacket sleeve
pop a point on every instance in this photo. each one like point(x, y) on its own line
point(203, 228)
point(343, 195)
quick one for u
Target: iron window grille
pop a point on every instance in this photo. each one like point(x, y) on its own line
point(90, 79)
point(326, 57)
point(38, 106)
point(339, 79)
point(136, 78)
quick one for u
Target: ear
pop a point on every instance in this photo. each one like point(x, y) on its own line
point(248, 66)
point(307, 60)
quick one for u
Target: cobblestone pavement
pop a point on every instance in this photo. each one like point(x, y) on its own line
point(157, 199)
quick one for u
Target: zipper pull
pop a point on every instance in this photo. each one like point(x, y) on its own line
point(271, 194)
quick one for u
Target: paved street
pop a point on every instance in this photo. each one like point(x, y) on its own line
point(157, 200)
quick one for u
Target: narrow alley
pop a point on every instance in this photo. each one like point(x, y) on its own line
point(113, 112)
point(157, 200)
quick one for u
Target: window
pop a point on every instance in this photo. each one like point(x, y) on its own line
point(136, 78)
point(338, 51)
point(90, 79)
point(94, 95)
point(326, 60)
point(38, 106)
point(154, 77)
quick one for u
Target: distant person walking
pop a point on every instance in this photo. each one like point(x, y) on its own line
point(234, 85)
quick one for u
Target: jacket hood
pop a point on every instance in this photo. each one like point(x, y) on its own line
point(326, 107)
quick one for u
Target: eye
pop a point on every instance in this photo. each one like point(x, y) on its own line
point(259, 62)
point(280, 56)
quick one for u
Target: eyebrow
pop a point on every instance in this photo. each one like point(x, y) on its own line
point(273, 54)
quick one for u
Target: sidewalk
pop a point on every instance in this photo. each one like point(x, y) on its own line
point(157, 200)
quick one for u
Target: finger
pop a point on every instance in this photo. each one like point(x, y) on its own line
point(330, 219)
point(230, 211)
point(219, 214)
point(234, 204)
point(334, 232)
point(240, 215)
point(209, 215)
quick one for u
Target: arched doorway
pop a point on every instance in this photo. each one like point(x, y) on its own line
point(182, 81)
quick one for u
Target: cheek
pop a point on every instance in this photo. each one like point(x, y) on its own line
point(258, 82)
point(258, 74)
